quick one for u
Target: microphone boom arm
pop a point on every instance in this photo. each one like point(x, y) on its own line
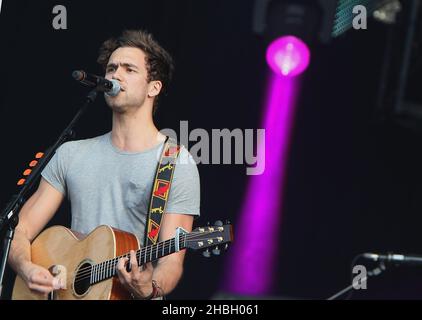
point(9, 217)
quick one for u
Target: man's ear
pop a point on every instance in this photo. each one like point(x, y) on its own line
point(154, 88)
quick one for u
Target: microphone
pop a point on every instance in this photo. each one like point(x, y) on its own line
point(110, 87)
point(394, 258)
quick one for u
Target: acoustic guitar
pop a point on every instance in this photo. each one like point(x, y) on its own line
point(87, 264)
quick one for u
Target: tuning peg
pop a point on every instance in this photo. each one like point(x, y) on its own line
point(218, 223)
point(226, 246)
point(208, 223)
point(206, 253)
point(216, 251)
point(228, 222)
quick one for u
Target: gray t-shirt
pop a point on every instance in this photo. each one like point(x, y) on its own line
point(108, 186)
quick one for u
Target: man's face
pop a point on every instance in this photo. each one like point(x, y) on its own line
point(127, 65)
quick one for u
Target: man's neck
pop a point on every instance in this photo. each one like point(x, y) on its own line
point(135, 132)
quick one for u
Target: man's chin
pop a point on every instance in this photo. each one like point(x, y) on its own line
point(114, 104)
point(117, 108)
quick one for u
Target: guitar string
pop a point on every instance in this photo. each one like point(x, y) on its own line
point(87, 271)
point(149, 249)
point(164, 242)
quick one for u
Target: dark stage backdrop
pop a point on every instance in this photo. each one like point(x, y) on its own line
point(354, 181)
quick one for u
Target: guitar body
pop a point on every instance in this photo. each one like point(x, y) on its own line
point(70, 251)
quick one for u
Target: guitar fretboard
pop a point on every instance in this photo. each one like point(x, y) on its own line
point(107, 269)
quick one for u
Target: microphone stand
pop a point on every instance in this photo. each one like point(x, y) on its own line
point(374, 272)
point(9, 217)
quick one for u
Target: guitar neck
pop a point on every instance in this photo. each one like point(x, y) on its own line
point(107, 269)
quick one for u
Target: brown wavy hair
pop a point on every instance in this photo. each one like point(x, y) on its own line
point(159, 63)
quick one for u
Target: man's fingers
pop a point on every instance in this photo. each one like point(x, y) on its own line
point(57, 284)
point(148, 267)
point(121, 264)
point(121, 278)
point(133, 262)
point(121, 271)
point(40, 289)
point(42, 279)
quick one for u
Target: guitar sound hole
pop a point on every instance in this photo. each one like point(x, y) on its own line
point(82, 279)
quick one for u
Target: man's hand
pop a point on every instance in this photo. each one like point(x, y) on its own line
point(39, 279)
point(139, 280)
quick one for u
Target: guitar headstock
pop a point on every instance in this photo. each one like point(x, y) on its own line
point(216, 237)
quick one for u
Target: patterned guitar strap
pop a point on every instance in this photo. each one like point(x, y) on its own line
point(161, 190)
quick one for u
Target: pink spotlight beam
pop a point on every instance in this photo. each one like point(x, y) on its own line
point(253, 257)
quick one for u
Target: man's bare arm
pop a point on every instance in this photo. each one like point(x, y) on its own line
point(169, 269)
point(34, 215)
